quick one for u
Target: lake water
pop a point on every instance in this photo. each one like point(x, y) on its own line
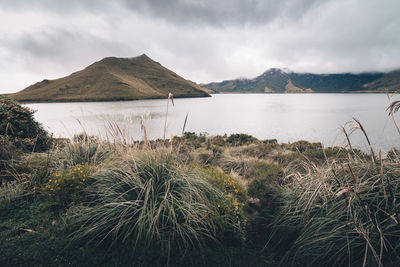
point(285, 117)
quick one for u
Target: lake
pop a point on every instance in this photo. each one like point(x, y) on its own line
point(285, 117)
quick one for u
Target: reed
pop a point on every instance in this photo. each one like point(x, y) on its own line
point(392, 109)
point(170, 98)
point(357, 125)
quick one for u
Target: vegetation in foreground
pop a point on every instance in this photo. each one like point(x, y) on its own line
point(194, 200)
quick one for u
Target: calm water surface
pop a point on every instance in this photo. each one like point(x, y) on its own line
point(286, 117)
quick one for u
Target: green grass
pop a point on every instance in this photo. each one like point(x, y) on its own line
point(253, 203)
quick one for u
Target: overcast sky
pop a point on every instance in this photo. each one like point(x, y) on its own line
point(201, 40)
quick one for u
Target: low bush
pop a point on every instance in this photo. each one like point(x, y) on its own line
point(193, 139)
point(231, 217)
point(68, 186)
point(302, 146)
point(18, 124)
point(240, 139)
point(270, 141)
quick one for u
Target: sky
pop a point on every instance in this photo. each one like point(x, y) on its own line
point(203, 41)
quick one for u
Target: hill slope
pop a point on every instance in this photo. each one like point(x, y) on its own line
point(113, 79)
point(279, 81)
point(389, 81)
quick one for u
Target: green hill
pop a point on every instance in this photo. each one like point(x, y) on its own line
point(113, 79)
point(279, 81)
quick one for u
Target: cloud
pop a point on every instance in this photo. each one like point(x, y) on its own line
point(222, 13)
point(200, 40)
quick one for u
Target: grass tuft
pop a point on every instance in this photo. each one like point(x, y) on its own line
point(148, 199)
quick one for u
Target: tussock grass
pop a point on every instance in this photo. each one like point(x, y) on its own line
point(84, 149)
point(149, 199)
point(340, 215)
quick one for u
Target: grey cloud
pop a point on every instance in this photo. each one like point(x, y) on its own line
point(222, 13)
point(57, 6)
point(183, 12)
point(61, 48)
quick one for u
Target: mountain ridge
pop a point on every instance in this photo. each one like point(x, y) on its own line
point(276, 80)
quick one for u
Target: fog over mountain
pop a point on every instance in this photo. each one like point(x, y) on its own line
point(203, 41)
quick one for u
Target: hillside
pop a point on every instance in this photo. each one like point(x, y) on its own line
point(113, 79)
point(390, 81)
point(279, 81)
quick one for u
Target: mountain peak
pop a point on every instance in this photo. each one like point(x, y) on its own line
point(273, 71)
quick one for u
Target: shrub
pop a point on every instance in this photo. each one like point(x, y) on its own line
point(226, 183)
point(302, 145)
point(231, 218)
point(190, 135)
point(194, 139)
point(148, 199)
point(68, 186)
point(270, 141)
point(240, 139)
point(18, 124)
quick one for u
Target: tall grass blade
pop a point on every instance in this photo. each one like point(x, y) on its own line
point(184, 124)
point(170, 98)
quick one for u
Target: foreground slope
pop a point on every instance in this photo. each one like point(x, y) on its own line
point(279, 81)
point(113, 79)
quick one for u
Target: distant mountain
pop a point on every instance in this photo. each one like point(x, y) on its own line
point(389, 81)
point(279, 81)
point(113, 79)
